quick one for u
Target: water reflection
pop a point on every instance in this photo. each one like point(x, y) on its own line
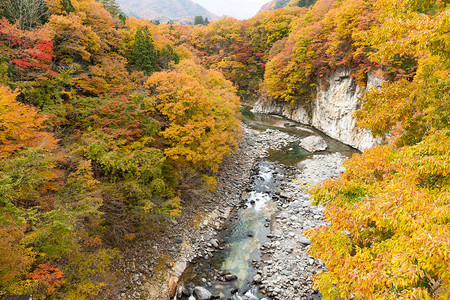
point(292, 154)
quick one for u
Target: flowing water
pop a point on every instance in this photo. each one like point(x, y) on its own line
point(248, 230)
point(243, 239)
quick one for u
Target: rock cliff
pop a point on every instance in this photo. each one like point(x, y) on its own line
point(331, 109)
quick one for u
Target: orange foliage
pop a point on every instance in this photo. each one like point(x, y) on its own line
point(201, 108)
point(326, 37)
point(50, 277)
point(20, 126)
point(73, 38)
point(96, 17)
point(109, 76)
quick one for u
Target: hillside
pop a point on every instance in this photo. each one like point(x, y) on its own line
point(276, 4)
point(183, 11)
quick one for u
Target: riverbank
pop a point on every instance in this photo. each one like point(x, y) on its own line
point(152, 268)
point(280, 264)
point(286, 267)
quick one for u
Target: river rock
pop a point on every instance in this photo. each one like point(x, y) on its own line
point(214, 243)
point(230, 277)
point(313, 143)
point(287, 266)
point(200, 293)
point(304, 240)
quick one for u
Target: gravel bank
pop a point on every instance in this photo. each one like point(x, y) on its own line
point(284, 271)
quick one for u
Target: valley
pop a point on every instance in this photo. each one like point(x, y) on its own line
point(302, 153)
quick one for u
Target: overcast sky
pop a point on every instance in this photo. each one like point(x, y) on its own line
point(241, 9)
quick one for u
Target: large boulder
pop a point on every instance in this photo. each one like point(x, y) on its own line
point(200, 293)
point(313, 143)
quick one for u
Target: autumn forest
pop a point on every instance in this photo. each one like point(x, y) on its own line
point(108, 121)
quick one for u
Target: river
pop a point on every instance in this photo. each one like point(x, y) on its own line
point(261, 252)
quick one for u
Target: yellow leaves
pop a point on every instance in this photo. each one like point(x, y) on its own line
point(175, 207)
point(201, 107)
point(409, 28)
point(210, 182)
point(395, 206)
point(218, 35)
point(272, 76)
point(398, 233)
point(408, 106)
point(22, 287)
point(110, 76)
point(85, 175)
point(74, 37)
point(412, 41)
point(88, 31)
point(344, 18)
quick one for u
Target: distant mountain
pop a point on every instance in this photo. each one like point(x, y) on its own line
point(183, 11)
point(276, 4)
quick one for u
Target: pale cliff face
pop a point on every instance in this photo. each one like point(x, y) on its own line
point(331, 110)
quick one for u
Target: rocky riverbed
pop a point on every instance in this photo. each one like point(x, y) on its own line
point(282, 272)
point(255, 146)
point(285, 270)
point(152, 269)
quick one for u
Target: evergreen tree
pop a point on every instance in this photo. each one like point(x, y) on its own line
point(3, 4)
point(111, 6)
point(122, 17)
point(199, 20)
point(67, 6)
point(303, 3)
point(143, 54)
point(167, 55)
